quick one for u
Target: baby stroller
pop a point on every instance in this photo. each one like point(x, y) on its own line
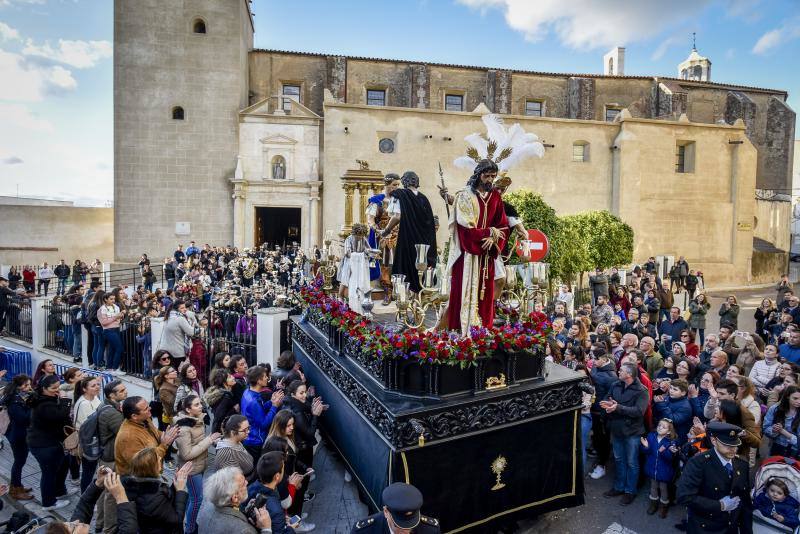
point(782, 467)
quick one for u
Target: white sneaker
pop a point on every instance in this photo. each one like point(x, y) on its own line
point(58, 505)
point(305, 527)
point(599, 472)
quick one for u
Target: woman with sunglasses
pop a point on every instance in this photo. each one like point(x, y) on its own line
point(230, 451)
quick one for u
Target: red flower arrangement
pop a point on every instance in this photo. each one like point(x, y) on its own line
point(439, 346)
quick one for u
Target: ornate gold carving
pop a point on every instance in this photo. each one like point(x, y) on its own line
point(498, 466)
point(496, 382)
point(363, 165)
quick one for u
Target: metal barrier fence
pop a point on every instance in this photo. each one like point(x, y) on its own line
point(19, 319)
point(105, 378)
point(16, 362)
point(583, 296)
point(129, 276)
point(136, 338)
point(59, 331)
point(227, 331)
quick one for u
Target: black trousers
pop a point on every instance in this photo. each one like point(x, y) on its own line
point(601, 439)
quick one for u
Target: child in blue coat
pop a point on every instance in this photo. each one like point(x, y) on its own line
point(776, 503)
point(659, 448)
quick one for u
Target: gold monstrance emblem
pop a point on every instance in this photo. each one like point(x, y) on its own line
point(498, 466)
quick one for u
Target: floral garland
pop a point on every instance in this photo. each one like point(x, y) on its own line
point(438, 346)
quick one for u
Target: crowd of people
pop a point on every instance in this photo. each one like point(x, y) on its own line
point(258, 423)
point(665, 395)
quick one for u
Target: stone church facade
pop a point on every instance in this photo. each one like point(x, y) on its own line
point(266, 136)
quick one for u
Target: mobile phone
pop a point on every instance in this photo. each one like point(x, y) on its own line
point(104, 469)
point(308, 473)
point(295, 519)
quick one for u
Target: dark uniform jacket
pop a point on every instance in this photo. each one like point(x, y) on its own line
point(703, 483)
point(377, 524)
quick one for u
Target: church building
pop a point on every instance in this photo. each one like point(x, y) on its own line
point(222, 143)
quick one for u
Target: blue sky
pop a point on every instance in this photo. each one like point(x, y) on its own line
point(56, 71)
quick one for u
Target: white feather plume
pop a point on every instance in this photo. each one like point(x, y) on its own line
point(494, 128)
point(520, 153)
point(523, 144)
point(465, 162)
point(478, 143)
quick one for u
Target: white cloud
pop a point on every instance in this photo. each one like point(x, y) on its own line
point(27, 82)
point(7, 33)
point(78, 54)
point(668, 43)
point(587, 24)
point(12, 160)
point(777, 37)
point(18, 116)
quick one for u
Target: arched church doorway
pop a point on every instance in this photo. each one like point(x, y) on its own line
point(277, 226)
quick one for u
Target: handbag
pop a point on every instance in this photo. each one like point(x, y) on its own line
point(72, 443)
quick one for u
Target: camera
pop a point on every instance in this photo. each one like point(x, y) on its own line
point(585, 387)
point(250, 509)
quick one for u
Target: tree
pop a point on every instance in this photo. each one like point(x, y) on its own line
point(578, 243)
point(610, 241)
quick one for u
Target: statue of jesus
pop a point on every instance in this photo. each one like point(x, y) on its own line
point(478, 232)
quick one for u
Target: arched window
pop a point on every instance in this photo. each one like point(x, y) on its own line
point(580, 151)
point(610, 65)
point(177, 113)
point(278, 168)
point(199, 26)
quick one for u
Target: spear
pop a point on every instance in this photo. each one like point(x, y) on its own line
point(441, 177)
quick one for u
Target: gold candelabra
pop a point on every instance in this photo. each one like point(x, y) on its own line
point(523, 298)
point(328, 268)
point(413, 307)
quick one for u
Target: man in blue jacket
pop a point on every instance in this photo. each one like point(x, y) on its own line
point(259, 412)
point(791, 351)
point(672, 327)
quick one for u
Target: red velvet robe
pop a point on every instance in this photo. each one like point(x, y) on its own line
point(468, 227)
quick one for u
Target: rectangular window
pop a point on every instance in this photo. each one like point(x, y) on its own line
point(578, 152)
point(454, 102)
point(611, 114)
point(376, 97)
point(290, 92)
point(680, 159)
point(534, 108)
point(684, 156)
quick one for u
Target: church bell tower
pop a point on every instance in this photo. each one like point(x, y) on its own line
point(695, 67)
point(180, 80)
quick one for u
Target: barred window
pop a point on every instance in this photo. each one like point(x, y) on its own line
point(534, 108)
point(454, 102)
point(376, 97)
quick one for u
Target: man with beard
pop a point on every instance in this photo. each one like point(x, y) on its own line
point(478, 232)
point(378, 217)
point(412, 211)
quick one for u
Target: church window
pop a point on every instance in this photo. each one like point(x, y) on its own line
point(611, 113)
point(290, 93)
point(386, 145)
point(199, 26)
point(534, 108)
point(278, 168)
point(454, 102)
point(580, 151)
point(177, 113)
point(684, 156)
point(610, 66)
point(376, 97)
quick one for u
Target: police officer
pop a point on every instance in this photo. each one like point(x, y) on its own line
point(400, 515)
point(715, 486)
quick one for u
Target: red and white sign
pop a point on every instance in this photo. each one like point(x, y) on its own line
point(538, 246)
